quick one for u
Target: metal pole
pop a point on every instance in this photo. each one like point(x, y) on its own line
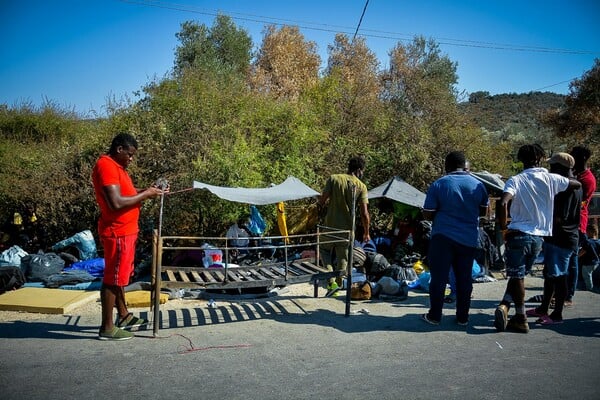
point(158, 269)
point(350, 254)
point(317, 261)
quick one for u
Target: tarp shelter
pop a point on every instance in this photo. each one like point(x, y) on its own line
point(493, 183)
point(398, 190)
point(291, 189)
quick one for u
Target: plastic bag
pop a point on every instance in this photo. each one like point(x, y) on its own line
point(388, 285)
point(94, 267)
point(12, 256)
point(477, 271)
point(238, 237)
point(37, 267)
point(257, 224)
point(424, 279)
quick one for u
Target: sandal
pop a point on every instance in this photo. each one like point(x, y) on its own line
point(534, 313)
point(546, 320)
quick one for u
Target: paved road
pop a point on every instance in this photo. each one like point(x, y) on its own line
point(298, 347)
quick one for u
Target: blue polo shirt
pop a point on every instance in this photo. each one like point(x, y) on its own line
point(456, 199)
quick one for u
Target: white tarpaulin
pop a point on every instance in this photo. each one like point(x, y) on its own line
point(493, 182)
point(397, 189)
point(291, 189)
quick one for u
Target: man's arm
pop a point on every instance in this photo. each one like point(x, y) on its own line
point(574, 184)
point(366, 221)
point(116, 201)
point(323, 199)
point(502, 211)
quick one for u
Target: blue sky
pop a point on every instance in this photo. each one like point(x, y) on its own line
point(78, 54)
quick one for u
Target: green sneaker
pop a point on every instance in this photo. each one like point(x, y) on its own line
point(332, 290)
point(115, 334)
point(131, 322)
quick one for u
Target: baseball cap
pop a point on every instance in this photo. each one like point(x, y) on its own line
point(564, 159)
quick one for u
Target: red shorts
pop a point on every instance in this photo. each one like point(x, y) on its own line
point(119, 253)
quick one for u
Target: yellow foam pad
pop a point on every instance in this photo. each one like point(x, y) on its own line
point(44, 300)
point(141, 298)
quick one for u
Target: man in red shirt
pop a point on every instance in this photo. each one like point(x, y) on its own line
point(584, 174)
point(119, 203)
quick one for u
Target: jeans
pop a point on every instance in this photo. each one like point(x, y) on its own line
point(556, 260)
point(573, 274)
point(521, 251)
point(445, 253)
point(572, 277)
point(586, 275)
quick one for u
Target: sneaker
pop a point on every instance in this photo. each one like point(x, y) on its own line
point(115, 334)
point(332, 290)
point(501, 318)
point(131, 322)
point(425, 317)
point(538, 298)
point(534, 313)
point(462, 323)
point(518, 323)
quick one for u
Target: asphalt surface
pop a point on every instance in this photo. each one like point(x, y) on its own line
point(300, 347)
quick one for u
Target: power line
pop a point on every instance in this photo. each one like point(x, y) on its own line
point(347, 30)
point(360, 20)
point(555, 84)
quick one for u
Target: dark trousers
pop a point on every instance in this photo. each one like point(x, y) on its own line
point(445, 253)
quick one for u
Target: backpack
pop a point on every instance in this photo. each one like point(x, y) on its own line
point(361, 291)
point(358, 257)
point(11, 278)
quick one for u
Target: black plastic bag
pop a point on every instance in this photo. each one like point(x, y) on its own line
point(38, 267)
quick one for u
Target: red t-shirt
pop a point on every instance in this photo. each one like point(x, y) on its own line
point(588, 185)
point(113, 223)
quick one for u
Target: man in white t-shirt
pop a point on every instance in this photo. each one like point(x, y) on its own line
point(530, 195)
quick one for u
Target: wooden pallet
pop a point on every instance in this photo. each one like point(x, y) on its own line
point(273, 274)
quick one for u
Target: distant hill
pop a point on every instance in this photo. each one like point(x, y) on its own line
point(503, 111)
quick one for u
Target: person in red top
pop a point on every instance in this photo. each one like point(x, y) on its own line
point(119, 202)
point(584, 175)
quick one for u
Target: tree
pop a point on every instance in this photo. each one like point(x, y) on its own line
point(579, 120)
point(419, 91)
point(223, 46)
point(356, 65)
point(420, 78)
point(352, 86)
point(477, 97)
point(286, 63)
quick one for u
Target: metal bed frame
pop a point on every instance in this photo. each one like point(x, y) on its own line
point(287, 270)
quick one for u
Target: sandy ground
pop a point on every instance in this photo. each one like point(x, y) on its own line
point(93, 306)
point(298, 291)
